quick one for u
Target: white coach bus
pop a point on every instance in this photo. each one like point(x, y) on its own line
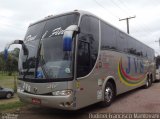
point(73, 60)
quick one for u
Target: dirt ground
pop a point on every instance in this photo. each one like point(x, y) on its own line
point(13, 99)
point(136, 101)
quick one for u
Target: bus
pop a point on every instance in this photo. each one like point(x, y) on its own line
point(75, 59)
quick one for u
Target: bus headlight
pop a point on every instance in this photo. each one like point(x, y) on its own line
point(62, 93)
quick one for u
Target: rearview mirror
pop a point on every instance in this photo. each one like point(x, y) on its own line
point(68, 36)
point(15, 42)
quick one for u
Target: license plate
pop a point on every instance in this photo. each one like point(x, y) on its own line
point(36, 101)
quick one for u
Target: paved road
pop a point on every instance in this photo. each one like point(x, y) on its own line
point(136, 101)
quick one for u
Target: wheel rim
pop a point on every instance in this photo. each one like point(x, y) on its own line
point(108, 94)
point(8, 95)
point(150, 81)
point(147, 83)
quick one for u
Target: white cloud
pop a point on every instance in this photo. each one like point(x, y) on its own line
point(6, 13)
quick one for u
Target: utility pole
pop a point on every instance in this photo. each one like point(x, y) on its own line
point(127, 21)
point(158, 42)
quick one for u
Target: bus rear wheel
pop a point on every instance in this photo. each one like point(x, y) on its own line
point(109, 94)
point(148, 83)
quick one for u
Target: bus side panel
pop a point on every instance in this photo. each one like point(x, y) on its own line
point(122, 57)
point(89, 89)
point(131, 66)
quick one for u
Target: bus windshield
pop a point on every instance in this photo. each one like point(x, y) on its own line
point(56, 62)
point(44, 41)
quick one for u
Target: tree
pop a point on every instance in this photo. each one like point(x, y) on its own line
point(11, 64)
point(2, 62)
point(15, 53)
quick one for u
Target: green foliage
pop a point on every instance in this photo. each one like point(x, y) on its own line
point(2, 62)
point(12, 105)
point(7, 81)
point(11, 65)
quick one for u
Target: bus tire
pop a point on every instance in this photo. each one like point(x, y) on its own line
point(151, 80)
point(147, 84)
point(109, 94)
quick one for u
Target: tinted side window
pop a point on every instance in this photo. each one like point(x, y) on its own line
point(107, 37)
point(131, 46)
point(145, 54)
point(139, 47)
point(134, 47)
point(83, 58)
point(150, 53)
point(88, 43)
point(122, 42)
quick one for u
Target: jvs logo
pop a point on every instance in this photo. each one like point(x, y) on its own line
point(126, 74)
point(135, 64)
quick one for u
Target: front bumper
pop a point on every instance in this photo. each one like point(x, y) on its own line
point(59, 102)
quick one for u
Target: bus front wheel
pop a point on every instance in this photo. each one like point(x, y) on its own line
point(109, 94)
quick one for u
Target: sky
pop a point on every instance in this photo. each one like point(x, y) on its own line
point(16, 15)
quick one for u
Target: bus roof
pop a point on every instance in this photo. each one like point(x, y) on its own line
point(81, 12)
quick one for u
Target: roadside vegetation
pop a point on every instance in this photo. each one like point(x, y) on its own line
point(8, 79)
point(13, 103)
point(11, 106)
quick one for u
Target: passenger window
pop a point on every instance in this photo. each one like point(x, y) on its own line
point(108, 37)
point(88, 40)
point(83, 58)
point(122, 43)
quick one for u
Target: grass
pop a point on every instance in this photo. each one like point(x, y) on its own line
point(13, 103)
point(6, 101)
point(11, 106)
point(7, 81)
point(2, 77)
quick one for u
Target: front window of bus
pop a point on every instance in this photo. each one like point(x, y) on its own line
point(53, 62)
point(27, 63)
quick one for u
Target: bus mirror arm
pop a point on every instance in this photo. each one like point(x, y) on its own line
point(77, 30)
point(15, 42)
point(25, 49)
point(68, 36)
point(73, 29)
